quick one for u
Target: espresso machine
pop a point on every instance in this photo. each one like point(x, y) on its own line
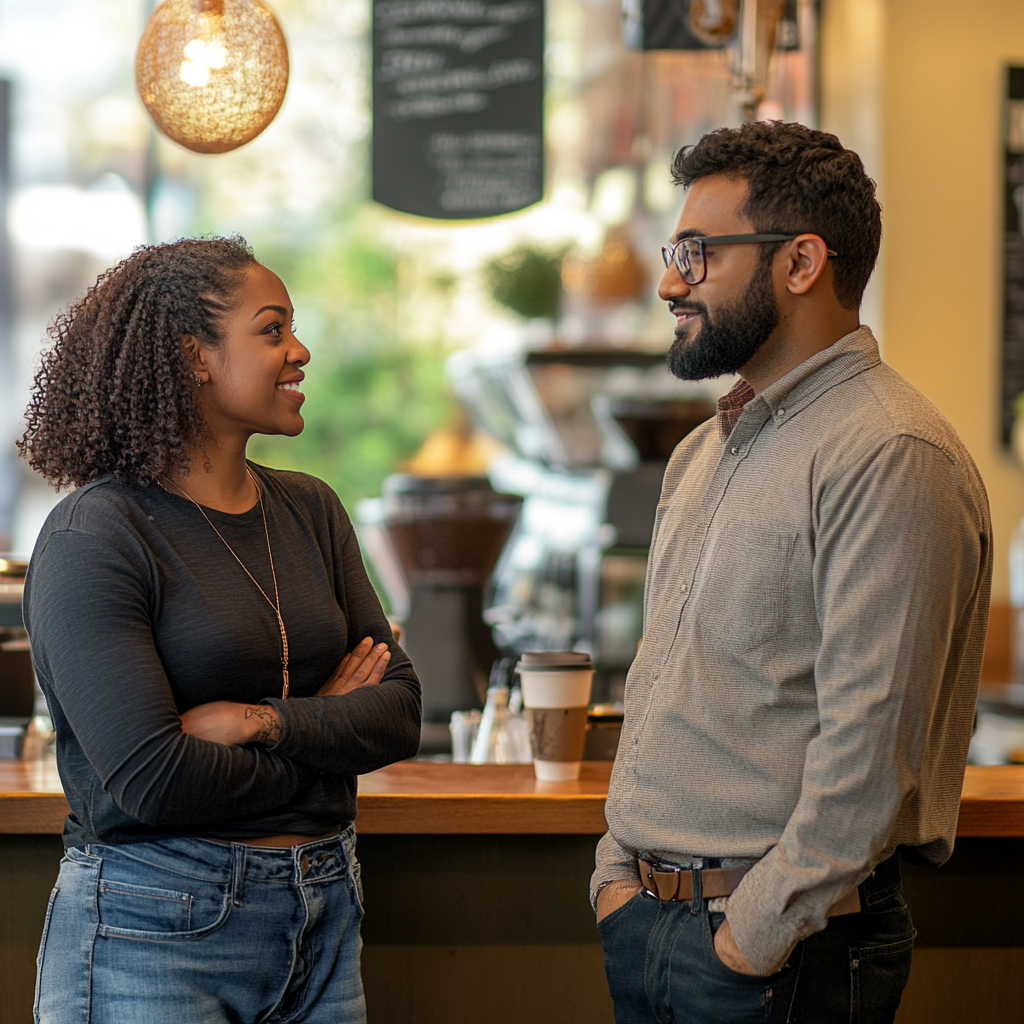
point(549, 552)
point(590, 432)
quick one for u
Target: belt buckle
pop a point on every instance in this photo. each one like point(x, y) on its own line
point(650, 884)
point(646, 869)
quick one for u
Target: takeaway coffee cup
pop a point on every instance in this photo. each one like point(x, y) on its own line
point(556, 695)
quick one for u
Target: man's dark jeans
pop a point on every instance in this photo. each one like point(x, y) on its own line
point(663, 969)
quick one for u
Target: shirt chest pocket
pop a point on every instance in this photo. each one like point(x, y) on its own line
point(746, 584)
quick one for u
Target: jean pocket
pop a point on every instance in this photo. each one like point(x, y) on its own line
point(712, 923)
point(619, 912)
point(143, 908)
point(128, 910)
point(878, 975)
point(731, 997)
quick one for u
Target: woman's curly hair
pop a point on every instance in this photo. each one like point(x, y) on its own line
point(115, 393)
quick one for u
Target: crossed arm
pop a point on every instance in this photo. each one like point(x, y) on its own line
point(225, 722)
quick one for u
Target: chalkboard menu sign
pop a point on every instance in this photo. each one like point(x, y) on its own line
point(1013, 250)
point(458, 94)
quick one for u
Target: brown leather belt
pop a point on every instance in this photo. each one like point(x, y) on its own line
point(670, 884)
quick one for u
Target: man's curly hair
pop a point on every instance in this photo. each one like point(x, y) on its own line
point(114, 393)
point(800, 180)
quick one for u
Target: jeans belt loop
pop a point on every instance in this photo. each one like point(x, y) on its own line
point(238, 874)
point(697, 902)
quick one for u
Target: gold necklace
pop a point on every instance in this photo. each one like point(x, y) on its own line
point(276, 603)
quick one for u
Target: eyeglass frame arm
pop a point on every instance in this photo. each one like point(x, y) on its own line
point(736, 239)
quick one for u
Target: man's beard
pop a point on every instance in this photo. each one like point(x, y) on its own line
point(731, 339)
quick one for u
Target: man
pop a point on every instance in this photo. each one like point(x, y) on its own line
point(815, 614)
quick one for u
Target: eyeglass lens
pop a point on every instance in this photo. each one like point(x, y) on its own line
point(688, 256)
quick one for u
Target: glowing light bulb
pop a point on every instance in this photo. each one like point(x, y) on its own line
point(200, 56)
point(212, 73)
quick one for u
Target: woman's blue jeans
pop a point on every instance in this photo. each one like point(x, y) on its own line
point(191, 930)
point(663, 969)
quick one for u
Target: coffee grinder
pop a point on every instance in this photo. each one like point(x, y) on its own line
point(448, 534)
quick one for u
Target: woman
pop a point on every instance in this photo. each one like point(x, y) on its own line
point(190, 614)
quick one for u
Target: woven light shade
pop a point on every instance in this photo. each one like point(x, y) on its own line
point(212, 73)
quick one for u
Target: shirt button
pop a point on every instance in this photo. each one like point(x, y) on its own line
point(682, 587)
point(734, 450)
point(781, 413)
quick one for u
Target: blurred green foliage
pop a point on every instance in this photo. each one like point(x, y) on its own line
point(373, 394)
point(528, 281)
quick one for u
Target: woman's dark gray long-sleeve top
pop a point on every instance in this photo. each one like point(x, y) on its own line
point(137, 612)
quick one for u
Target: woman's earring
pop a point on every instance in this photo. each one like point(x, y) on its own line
point(198, 380)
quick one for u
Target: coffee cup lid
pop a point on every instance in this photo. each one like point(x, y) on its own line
point(534, 660)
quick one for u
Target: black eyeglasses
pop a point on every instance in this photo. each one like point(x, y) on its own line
point(689, 254)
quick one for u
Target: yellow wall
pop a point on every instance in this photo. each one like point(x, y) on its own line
point(916, 86)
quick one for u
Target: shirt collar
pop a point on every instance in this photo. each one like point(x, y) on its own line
point(730, 406)
point(850, 355)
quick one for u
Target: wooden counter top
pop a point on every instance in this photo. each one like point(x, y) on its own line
point(427, 798)
point(31, 797)
point(411, 797)
point(992, 801)
point(420, 796)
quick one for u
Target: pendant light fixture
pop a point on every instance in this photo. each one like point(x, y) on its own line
point(212, 73)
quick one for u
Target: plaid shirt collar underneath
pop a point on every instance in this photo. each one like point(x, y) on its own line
point(731, 405)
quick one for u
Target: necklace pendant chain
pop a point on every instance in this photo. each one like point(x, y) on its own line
point(276, 603)
point(284, 657)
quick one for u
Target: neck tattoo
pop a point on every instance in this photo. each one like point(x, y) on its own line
point(276, 603)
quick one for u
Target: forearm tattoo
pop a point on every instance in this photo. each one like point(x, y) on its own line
point(270, 724)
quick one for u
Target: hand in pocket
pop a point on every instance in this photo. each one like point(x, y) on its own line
point(730, 953)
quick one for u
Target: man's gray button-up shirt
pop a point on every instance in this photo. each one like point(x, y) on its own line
point(815, 614)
